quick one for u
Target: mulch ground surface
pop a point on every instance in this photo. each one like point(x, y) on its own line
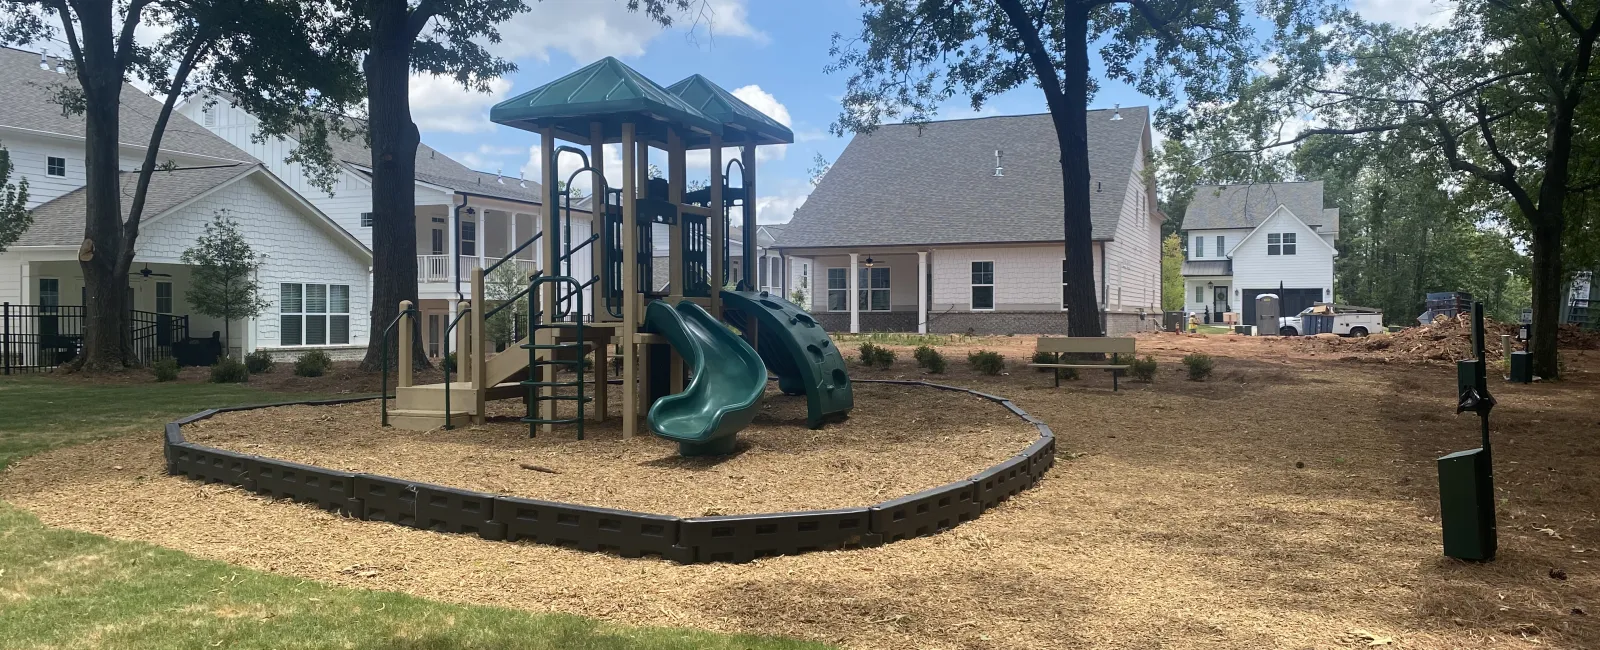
point(909, 439)
point(1289, 501)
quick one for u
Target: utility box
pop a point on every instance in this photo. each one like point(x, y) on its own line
point(1268, 310)
point(1466, 505)
point(1521, 367)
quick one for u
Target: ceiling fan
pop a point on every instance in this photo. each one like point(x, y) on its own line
point(147, 273)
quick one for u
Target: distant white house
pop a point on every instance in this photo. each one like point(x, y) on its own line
point(1246, 240)
point(314, 273)
point(957, 226)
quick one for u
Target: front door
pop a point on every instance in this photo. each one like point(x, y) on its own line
point(1219, 302)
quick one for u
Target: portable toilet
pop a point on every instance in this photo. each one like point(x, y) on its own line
point(1267, 308)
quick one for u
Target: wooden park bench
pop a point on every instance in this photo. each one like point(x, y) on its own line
point(1117, 347)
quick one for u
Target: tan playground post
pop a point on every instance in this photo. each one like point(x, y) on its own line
point(717, 231)
point(477, 350)
point(464, 360)
point(403, 339)
point(627, 334)
point(675, 182)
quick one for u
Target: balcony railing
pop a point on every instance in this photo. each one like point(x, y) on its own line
point(436, 268)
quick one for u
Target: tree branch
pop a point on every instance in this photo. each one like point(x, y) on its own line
point(72, 34)
point(1566, 14)
point(1044, 67)
point(1482, 113)
point(180, 79)
point(418, 20)
point(130, 23)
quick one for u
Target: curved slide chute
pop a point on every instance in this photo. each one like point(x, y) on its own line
point(798, 351)
point(724, 393)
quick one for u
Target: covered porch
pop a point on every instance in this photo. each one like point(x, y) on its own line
point(1209, 291)
point(876, 289)
point(45, 328)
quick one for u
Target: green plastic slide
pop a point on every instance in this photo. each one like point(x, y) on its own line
point(797, 350)
point(724, 393)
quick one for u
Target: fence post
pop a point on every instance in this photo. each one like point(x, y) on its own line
point(5, 336)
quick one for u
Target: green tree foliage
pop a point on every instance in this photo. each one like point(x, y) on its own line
point(1502, 97)
point(14, 215)
point(911, 58)
point(507, 326)
point(222, 275)
point(1172, 273)
point(277, 58)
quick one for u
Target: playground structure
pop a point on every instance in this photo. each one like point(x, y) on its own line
point(710, 384)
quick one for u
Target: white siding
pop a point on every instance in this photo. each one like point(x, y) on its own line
point(1027, 278)
point(298, 249)
point(30, 153)
point(1310, 267)
point(1134, 263)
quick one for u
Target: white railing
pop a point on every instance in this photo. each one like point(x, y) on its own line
point(436, 268)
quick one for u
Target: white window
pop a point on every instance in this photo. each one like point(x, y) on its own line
point(776, 276)
point(1063, 284)
point(983, 286)
point(874, 283)
point(1220, 249)
point(163, 297)
point(1283, 242)
point(208, 116)
point(56, 167)
point(838, 289)
point(761, 272)
point(49, 295)
point(1199, 247)
point(366, 220)
point(1199, 294)
point(314, 314)
point(469, 239)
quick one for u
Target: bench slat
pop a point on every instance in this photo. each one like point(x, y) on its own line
point(1086, 344)
point(1074, 365)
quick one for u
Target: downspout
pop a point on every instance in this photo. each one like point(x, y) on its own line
point(1105, 290)
point(455, 242)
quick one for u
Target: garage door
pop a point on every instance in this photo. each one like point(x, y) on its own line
point(1294, 300)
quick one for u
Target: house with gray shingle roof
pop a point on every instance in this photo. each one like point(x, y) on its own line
point(957, 226)
point(313, 273)
point(1252, 239)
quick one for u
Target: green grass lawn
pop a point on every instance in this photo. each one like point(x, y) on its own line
point(64, 589)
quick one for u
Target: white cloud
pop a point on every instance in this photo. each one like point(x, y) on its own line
point(1405, 13)
point(589, 29)
point(779, 208)
point(570, 163)
point(441, 104)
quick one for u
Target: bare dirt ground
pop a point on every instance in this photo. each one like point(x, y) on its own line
point(913, 440)
point(1288, 502)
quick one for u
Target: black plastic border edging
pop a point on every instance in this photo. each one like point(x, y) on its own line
point(733, 538)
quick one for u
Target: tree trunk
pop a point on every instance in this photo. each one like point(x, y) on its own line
point(1547, 284)
point(394, 141)
point(106, 326)
point(1072, 135)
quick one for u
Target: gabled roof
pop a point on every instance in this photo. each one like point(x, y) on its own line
point(742, 123)
point(435, 168)
point(935, 183)
point(27, 102)
point(1246, 206)
point(59, 222)
point(1290, 213)
point(609, 92)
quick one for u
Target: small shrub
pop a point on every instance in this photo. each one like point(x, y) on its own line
point(449, 362)
point(922, 354)
point(934, 362)
point(1069, 374)
point(165, 369)
point(1046, 357)
point(869, 353)
point(883, 358)
point(258, 362)
point(1144, 371)
point(987, 362)
point(313, 364)
point(1200, 366)
point(229, 371)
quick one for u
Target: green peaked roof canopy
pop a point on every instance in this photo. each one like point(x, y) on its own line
point(743, 123)
point(610, 93)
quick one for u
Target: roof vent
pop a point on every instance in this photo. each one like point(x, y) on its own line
point(1097, 186)
point(498, 178)
point(61, 65)
point(1116, 112)
point(521, 182)
point(998, 170)
point(44, 61)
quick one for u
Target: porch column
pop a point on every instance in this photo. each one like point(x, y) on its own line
point(449, 342)
point(855, 294)
point(922, 292)
point(481, 230)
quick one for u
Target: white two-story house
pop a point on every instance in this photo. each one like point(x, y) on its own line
point(313, 273)
point(1247, 240)
point(466, 219)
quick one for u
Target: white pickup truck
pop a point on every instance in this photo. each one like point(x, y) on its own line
point(1347, 320)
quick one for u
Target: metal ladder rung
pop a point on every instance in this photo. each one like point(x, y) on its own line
point(563, 398)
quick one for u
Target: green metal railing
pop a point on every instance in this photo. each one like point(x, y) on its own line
point(383, 387)
point(536, 396)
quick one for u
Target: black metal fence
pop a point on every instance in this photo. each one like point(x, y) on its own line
point(43, 337)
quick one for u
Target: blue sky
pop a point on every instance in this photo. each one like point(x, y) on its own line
point(777, 46)
point(770, 52)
